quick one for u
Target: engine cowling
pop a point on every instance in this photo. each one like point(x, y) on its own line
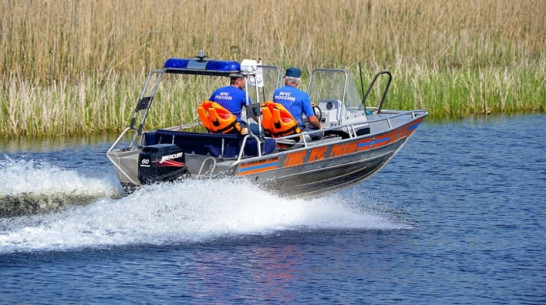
point(161, 162)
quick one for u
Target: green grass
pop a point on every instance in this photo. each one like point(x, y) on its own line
point(76, 67)
point(456, 94)
point(91, 106)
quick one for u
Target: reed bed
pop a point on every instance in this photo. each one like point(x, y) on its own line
point(76, 67)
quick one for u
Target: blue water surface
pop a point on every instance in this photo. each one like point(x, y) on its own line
point(457, 217)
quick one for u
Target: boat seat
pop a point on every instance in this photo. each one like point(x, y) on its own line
point(277, 121)
point(218, 119)
point(213, 144)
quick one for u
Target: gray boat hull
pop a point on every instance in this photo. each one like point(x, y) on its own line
point(324, 178)
point(326, 168)
point(315, 168)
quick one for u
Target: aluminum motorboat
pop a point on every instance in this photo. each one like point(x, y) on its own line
point(358, 140)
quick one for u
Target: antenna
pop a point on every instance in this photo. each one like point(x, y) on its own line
point(201, 55)
point(362, 85)
point(263, 87)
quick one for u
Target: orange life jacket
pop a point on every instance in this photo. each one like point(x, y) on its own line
point(218, 119)
point(277, 121)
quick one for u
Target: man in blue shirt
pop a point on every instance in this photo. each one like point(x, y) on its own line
point(297, 102)
point(232, 97)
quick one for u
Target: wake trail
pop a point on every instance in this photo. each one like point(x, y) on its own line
point(190, 212)
point(29, 187)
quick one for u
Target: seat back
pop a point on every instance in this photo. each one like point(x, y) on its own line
point(218, 119)
point(278, 121)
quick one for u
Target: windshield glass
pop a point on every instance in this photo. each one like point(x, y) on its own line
point(353, 100)
point(333, 84)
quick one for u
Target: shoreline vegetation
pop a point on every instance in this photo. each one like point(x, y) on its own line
point(77, 67)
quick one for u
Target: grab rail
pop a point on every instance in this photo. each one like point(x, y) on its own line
point(211, 169)
point(259, 148)
point(352, 129)
point(112, 160)
point(384, 92)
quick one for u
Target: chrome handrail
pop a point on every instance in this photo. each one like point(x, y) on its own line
point(351, 126)
point(203, 164)
point(112, 160)
point(242, 150)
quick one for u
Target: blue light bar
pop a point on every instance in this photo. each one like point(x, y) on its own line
point(200, 66)
point(226, 66)
point(176, 63)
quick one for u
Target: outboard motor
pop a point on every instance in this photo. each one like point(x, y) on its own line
point(161, 162)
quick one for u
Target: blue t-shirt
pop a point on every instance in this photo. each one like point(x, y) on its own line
point(231, 98)
point(295, 101)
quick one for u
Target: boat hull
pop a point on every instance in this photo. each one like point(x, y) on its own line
point(326, 168)
point(316, 168)
point(325, 177)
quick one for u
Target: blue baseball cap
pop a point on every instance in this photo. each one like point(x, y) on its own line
point(293, 72)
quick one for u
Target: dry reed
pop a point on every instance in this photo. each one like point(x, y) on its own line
point(70, 67)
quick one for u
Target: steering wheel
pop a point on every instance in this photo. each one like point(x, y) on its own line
point(317, 111)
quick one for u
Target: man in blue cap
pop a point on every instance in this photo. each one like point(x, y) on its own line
point(232, 97)
point(297, 102)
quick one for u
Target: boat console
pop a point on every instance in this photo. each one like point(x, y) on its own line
point(332, 111)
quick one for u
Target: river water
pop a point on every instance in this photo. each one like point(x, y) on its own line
point(457, 217)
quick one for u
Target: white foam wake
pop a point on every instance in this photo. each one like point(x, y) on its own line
point(30, 187)
point(193, 211)
point(22, 176)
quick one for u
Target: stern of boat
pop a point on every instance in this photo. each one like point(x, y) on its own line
point(125, 162)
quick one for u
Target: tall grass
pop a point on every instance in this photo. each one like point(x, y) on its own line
point(76, 67)
point(464, 92)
